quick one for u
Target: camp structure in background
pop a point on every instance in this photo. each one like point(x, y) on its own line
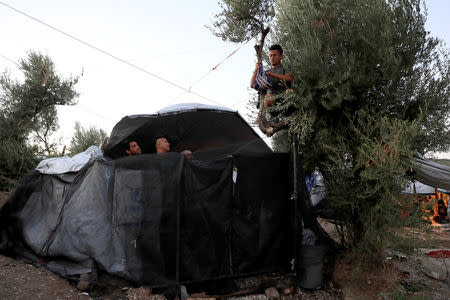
point(432, 173)
point(162, 220)
point(431, 188)
point(420, 189)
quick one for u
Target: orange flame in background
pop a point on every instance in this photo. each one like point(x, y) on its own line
point(434, 210)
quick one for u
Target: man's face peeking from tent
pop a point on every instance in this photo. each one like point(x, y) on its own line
point(133, 148)
point(162, 145)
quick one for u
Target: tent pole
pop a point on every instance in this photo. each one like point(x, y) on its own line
point(294, 198)
point(178, 254)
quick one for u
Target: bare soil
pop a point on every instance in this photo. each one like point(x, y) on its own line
point(397, 278)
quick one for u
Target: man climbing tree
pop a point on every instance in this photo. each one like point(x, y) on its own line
point(241, 21)
point(272, 82)
point(367, 77)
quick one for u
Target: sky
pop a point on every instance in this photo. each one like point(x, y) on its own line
point(165, 39)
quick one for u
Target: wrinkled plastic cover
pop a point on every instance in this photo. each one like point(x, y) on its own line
point(318, 191)
point(191, 106)
point(65, 164)
point(432, 174)
point(421, 189)
point(156, 219)
point(194, 127)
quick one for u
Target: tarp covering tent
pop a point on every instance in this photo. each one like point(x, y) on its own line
point(418, 188)
point(444, 191)
point(208, 130)
point(431, 173)
point(65, 164)
point(162, 219)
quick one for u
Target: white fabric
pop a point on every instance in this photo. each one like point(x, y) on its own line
point(191, 106)
point(421, 189)
point(60, 165)
point(318, 190)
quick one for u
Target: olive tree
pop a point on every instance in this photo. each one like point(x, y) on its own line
point(28, 112)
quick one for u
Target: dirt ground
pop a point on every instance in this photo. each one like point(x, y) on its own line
point(413, 276)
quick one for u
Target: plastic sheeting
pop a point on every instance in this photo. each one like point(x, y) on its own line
point(180, 107)
point(65, 164)
point(432, 174)
point(211, 131)
point(156, 219)
point(318, 191)
point(420, 189)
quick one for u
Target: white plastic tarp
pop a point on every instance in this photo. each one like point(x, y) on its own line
point(191, 106)
point(421, 189)
point(316, 187)
point(61, 165)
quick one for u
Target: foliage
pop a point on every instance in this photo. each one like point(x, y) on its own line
point(280, 142)
point(16, 158)
point(28, 110)
point(366, 55)
point(83, 138)
point(241, 20)
point(364, 184)
point(372, 88)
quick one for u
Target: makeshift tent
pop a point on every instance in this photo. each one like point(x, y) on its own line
point(65, 164)
point(418, 188)
point(444, 191)
point(162, 219)
point(431, 173)
point(209, 131)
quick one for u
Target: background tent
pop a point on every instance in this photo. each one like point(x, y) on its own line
point(444, 191)
point(431, 173)
point(416, 187)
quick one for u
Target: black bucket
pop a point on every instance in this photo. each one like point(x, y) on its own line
point(310, 266)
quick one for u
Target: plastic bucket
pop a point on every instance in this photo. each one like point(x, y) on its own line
point(310, 266)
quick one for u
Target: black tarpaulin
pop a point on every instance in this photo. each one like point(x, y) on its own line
point(32, 211)
point(262, 214)
point(162, 219)
point(206, 219)
point(212, 131)
point(157, 219)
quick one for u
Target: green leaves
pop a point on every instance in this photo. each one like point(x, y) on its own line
point(372, 88)
point(83, 138)
point(28, 112)
point(240, 20)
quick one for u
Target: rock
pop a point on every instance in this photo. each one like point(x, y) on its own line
point(436, 268)
point(87, 280)
point(84, 284)
point(272, 293)
point(288, 290)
